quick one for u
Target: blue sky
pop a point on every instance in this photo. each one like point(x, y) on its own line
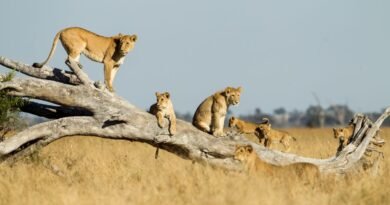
point(280, 52)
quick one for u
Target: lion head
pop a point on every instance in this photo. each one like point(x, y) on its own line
point(340, 133)
point(243, 152)
point(263, 129)
point(232, 121)
point(126, 43)
point(162, 100)
point(232, 95)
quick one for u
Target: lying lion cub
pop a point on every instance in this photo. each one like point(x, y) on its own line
point(242, 126)
point(163, 108)
point(110, 51)
point(344, 134)
point(210, 115)
point(253, 164)
point(264, 131)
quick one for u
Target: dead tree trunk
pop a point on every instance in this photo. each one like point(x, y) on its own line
point(82, 107)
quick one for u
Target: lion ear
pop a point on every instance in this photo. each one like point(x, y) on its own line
point(239, 89)
point(249, 148)
point(157, 94)
point(118, 37)
point(265, 120)
point(232, 118)
point(133, 38)
point(167, 94)
point(228, 90)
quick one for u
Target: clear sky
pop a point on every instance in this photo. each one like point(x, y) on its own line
point(280, 52)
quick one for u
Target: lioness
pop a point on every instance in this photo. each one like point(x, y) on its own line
point(163, 108)
point(264, 131)
point(344, 134)
point(253, 164)
point(110, 51)
point(210, 115)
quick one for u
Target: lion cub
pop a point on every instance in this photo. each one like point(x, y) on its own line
point(163, 108)
point(210, 115)
point(111, 51)
point(242, 126)
point(253, 164)
point(270, 135)
point(344, 134)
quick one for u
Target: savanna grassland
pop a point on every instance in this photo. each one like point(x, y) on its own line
point(89, 170)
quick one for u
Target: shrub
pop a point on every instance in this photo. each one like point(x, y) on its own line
point(9, 109)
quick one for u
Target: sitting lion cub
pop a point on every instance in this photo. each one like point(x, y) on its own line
point(110, 51)
point(253, 164)
point(264, 131)
point(210, 115)
point(344, 134)
point(163, 108)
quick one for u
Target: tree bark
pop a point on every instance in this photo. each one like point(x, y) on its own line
point(82, 107)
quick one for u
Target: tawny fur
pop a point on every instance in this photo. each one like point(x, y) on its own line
point(111, 51)
point(163, 108)
point(344, 134)
point(271, 136)
point(210, 115)
point(242, 126)
point(253, 164)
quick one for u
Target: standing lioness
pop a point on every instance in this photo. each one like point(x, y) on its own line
point(211, 113)
point(110, 51)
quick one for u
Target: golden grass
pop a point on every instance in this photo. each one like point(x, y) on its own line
point(89, 170)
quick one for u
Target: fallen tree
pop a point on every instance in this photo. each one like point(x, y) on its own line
point(79, 106)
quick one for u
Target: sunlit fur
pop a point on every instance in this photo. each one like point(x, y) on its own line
point(242, 126)
point(163, 108)
point(254, 165)
point(110, 51)
point(271, 136)
point(210, 115)
point(344, 134)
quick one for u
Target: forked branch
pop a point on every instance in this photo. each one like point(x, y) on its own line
point(82, 109)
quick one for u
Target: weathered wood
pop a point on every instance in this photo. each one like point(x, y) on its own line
point(53, 111)
point(42, 73)
point(84, 79)
point(108, 115)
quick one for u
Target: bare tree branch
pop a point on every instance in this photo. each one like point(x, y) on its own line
point(108, 115)
point(43, 73)
point(83, 77)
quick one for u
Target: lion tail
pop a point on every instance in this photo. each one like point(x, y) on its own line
point(53, 47)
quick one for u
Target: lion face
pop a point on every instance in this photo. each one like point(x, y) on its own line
point(162, 100)
point(243, 152)
point(263, 129)
point(340, 133)
point(233, 95)
point(232, 122)
point(126, 43)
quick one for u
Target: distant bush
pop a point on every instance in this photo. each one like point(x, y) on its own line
point(9, 109)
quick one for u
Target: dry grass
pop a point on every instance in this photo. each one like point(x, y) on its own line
point(88, 170)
